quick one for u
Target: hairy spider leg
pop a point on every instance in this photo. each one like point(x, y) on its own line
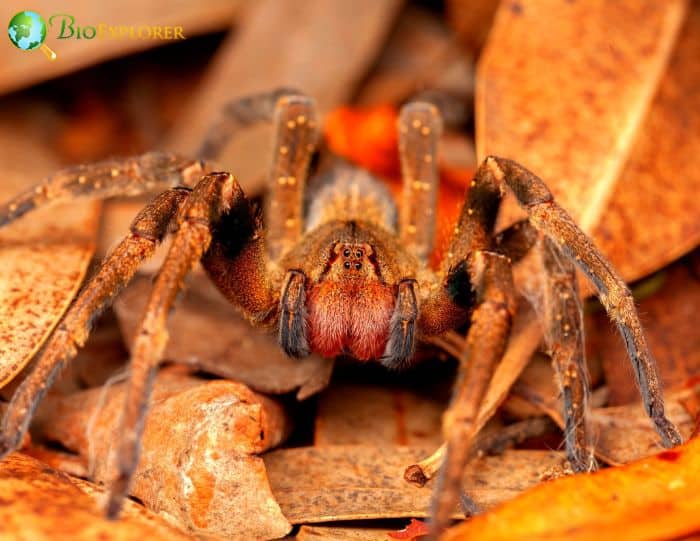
point(564, 336)
point(210, 199)
point(147, 230)
point(471, 266)
point(547, 216)
point(420, 128)
point(295, 141)
point(151, 172)
point(237, 115)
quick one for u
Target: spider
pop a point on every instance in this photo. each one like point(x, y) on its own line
point(340, 271)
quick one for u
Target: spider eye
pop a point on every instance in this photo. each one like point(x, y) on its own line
point(358, 254)
point(346, 264)
point(358, 266)
point(346, 252)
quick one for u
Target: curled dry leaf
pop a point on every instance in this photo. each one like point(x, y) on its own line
point(356, 482)
point(199, 463)
point(40, 503)
point(206, 332)
point(563, 86)
point(655, 498)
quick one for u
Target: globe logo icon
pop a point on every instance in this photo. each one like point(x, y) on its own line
point(27, 31)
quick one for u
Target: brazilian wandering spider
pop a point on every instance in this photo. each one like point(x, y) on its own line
point(341, 273)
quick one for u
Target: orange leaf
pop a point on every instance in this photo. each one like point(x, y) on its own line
point(654, 498)
point(415, 529)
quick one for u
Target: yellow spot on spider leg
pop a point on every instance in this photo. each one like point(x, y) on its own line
point(301, 119)
point(425, 130)
point(284, 150)
point(289, 222)
point(427, 158)
point(415, 123)
point(291, 124)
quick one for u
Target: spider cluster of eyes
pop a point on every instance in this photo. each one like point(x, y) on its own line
point(358, 254)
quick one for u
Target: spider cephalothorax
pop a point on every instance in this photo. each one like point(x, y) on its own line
point(339, 270)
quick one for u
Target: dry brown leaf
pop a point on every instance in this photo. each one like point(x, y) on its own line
point(323, 48)
point(562, 87)
point(354, 414)
point(19, 69)
point(318, 484)
point(206, 332)
point(39, 503)
point(656, 498)
point(341, 533)
point(661, 179)
point(199, 463)
point(43, 256)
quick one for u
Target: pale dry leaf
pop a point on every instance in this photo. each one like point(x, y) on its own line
point(199, 463)
point(207, 333)
point(357, 482)
point(654, 213)
point(40, 503)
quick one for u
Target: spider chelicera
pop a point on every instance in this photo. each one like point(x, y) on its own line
point(340, 271)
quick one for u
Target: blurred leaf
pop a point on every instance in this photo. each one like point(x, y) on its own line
point(322, 48)
point(656, 498)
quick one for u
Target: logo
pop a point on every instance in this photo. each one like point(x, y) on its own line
point(27, 31)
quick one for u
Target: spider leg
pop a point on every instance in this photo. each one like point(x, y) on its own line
point(147, 230)
point(420, 127)
point(491, 275)
point(154, 171)
point(565, 342)
point(237, 115)
point(295, 142)
point(517, 240)
point(553, 221)
point(211, 198)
